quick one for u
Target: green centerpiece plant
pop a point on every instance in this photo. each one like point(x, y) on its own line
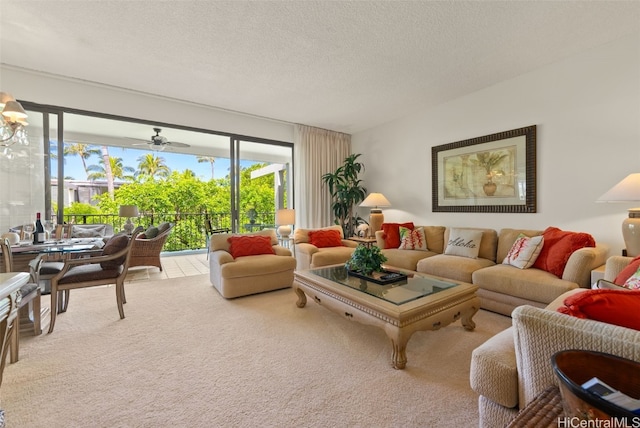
point(366, 260)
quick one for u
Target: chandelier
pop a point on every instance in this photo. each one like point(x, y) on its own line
point(13, 123)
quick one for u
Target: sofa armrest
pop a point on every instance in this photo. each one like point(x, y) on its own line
point(494, 373)
point(615, 265)
point(540, 333)
point(304, 253)
point(348, 243)
point(281, 251)
point(582, 262)
point(380, 239)
point(221, 257)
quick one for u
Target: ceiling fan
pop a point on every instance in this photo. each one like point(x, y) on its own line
point(158, 142)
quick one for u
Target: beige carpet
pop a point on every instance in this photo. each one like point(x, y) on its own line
point(186, 357)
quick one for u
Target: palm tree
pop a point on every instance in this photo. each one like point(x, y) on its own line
point(152, 166)
point(85, 151)
point(210, 159)
point(116, 169)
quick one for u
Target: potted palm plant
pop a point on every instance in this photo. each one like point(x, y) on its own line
point(489, 161)
point(346, 191)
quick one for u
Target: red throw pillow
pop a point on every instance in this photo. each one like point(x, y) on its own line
point(249, 245)
point(618, 307)
point(558, 247)
point(628, 271)
point(392, 233)
point(325, 238)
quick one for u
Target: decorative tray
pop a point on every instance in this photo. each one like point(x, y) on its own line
point(380, 277)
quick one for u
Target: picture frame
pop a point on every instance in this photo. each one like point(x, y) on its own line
point(490, 174)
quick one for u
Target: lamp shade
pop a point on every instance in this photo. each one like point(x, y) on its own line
point(128, 211)
point(628, 190)
point(375, 200)
point(286, 216)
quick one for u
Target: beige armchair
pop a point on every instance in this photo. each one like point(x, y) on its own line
point(509, 370)
point(251, 274)
point(309, 256)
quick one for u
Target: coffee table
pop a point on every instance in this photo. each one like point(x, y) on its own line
point(420, 302)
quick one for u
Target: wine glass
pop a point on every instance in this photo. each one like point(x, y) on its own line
point(48, 227)
point(28, 231)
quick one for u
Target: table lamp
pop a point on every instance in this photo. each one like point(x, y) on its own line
point(628, 190)
point(284, 219)
point(128, 211)
point(375, 201)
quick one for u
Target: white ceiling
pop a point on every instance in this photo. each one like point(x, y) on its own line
point(340, 65)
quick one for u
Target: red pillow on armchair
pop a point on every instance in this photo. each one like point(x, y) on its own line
point(617, 307)
point(325, 238)
point(250, 245)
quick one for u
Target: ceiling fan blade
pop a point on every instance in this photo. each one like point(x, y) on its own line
point(176, 144)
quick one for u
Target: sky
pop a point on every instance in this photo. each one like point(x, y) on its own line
point(73, 164)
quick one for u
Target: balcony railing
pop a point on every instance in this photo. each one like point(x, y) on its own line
point(190, 230)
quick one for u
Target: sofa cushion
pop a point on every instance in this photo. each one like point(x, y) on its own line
point(617, 307)
point(392, 233)
point(113, 245)
point(249, 245)
point(453, 267)
point(412, 239)
point(405, 259)
point(558, 247)
point(325, 238)
point(629, 270)
point(524, 251)
point(464, 243)
point(257, 266)
point(532, 284)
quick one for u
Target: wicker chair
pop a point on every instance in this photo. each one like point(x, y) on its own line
point(146, 252)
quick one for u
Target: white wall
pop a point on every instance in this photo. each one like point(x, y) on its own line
point(587, 112)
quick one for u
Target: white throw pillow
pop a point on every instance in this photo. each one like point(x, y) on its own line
point(412, 239)
point(464, 242)
point(524, 252)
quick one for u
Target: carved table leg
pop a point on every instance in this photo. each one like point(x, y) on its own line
point(399, 340)
point(302, 298)
point(467, 316)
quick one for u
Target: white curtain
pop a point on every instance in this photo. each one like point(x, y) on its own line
point(316, 152)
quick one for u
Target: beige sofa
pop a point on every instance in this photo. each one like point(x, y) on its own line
point(309, 256)
point(502, 288)
point(513, 367)
point(250, 274)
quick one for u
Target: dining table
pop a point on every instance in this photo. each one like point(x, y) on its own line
point(53, 250)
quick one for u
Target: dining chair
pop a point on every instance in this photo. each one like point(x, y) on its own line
point(28, 302)
point(109, 268)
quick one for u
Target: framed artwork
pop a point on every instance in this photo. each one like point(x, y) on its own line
point(490, 174)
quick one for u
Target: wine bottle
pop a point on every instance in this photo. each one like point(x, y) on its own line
point(38, 235)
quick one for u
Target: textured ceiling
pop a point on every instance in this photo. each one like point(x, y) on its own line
point(346, 66)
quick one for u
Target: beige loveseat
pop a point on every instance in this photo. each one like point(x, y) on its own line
point(309, 256)
point(249, 274)
point(502, 288)
point(513, 367)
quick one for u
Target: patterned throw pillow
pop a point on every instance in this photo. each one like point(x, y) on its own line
point(464, 242)
point(412, 239)
point(249, 245)
point(524, 251)
point(325, 238)
point(634, 281)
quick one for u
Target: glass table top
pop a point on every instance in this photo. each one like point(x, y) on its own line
point(413, 287)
